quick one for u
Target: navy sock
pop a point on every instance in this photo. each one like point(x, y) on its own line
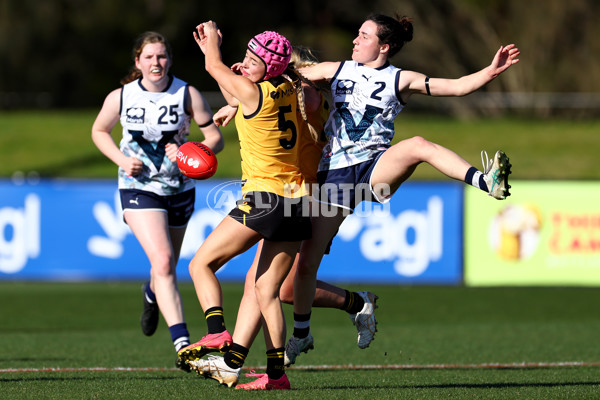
point(474, 178)
point(179, 335)
point(150, 296)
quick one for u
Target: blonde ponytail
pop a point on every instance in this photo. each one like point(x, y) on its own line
point(297, 84)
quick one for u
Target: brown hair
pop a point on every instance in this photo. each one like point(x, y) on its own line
point(141, 41)
point(393, 31)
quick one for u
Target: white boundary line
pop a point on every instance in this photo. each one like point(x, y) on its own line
point(523, 365)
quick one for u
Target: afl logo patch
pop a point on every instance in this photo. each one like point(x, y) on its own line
point(135, 115)
point(344, 87)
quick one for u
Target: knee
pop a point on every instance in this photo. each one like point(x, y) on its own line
point(204, 263)
point(419, 143)
point(196, 266)
point(286, 294)
point(421, 148)
point(261, 293)
point(161, 265)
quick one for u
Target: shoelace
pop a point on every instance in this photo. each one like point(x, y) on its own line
point(213, 358)
point(487, 164)
point(214, 361)
point(253, 374)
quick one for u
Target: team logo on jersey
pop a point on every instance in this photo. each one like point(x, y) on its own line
point(135, 115)
point(278, 93)
point(344, 87)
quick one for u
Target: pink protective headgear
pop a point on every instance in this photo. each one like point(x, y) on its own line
point(274, 50)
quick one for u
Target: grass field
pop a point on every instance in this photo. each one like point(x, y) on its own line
point(58, 143)
point(83, 341)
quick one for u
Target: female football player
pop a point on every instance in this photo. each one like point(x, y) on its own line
point(155, 109)
point(266, 93)
point(368, 93)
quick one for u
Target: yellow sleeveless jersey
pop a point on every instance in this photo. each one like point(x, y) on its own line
point(310, 150)
point(269, 143)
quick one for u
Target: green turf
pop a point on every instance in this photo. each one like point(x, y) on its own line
point(58, 143)
point(90, 325)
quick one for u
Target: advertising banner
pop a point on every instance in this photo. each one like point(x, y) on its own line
point(416, 238)
point(73, 230)
point(546, 233)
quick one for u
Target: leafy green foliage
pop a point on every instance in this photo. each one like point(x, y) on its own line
point(83, 48)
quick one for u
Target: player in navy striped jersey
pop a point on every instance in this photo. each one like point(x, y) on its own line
point(359, 163)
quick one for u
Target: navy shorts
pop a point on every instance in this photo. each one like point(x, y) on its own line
point(347, 187)
point(276, 218)
point(179, 207)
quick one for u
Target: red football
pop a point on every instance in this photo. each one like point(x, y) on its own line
point(196, 160)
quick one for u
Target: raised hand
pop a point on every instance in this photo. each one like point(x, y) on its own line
point(504, 58)
point(207, 32)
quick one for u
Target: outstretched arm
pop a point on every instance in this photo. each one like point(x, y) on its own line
point(321, 71)
point(414, 82)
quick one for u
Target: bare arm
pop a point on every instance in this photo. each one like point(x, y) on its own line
point(414, 82)
point(229, 98)
point(101, 134)
point(208, 38)
point(202, 114)
point(321, 71)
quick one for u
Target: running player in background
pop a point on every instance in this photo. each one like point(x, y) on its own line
point(155, 109)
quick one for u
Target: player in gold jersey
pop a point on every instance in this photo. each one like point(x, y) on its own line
point(265, 91)
point(311, 142)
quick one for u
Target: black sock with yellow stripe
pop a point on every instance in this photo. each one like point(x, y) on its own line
point(353, 303)
point(236, 356)
point(275, 368)
point(215, 320)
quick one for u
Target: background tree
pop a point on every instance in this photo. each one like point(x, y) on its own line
point(70, 53)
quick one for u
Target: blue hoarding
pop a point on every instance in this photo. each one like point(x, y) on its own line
point(73, 230)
